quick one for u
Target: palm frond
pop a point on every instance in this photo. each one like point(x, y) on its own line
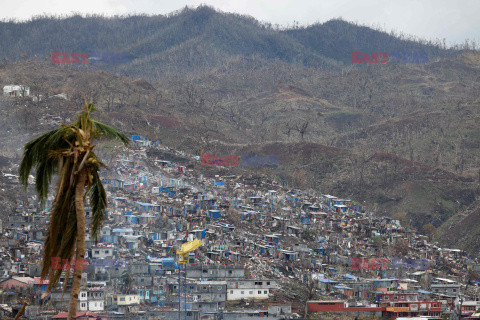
point(109, 132)
point(63, 249)
point(61, 232)
point(45, 171)
point(32, 154)
point(98, 203)
point(36, 153)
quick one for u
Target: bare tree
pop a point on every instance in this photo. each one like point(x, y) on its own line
point(288, 129)
point(302, 128)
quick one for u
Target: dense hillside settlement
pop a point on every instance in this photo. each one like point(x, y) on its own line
point(321, 170)
point(266, 250)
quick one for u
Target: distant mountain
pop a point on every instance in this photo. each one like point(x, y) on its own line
point(194, 40)
point(336, 39)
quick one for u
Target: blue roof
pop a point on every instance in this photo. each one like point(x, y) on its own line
point(342, 287)
point(326, 280)
point(144, 204)
point(425, 292)
point(122, 230)
point(349, 276)
point(383, 280)
point(209, 312)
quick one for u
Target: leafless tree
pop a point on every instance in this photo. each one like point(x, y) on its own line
point(302, 128)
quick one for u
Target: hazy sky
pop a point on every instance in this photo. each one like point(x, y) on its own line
point(454, 20)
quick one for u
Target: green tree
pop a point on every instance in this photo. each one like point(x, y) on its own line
point(69, 151)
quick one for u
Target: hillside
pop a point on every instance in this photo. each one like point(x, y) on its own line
point(404, 138)
point(336, 39)
point(195, 40)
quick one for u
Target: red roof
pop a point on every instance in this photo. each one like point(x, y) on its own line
point(36, 280)
point(80, 315)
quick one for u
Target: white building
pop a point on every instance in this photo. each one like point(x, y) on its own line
point(102, 252)
point(250, 289)
point(92, 299)
point(16, 91)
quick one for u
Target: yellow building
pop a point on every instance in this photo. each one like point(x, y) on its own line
point(127, 299)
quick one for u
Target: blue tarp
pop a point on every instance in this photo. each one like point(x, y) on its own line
point(342, 287)
point(138, 138)
point(106, 239)
point(143, 204)
point(215, 214)
point(322, 280)
point(122, 230)
point(168, 262)
point(349, 276)
point(425, 292)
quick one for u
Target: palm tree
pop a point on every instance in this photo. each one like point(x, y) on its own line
point(69, 151)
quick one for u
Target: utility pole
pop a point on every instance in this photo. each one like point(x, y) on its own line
point(179, 292)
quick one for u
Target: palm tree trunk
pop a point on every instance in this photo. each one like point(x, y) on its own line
point(20, 313)
point(80, 253)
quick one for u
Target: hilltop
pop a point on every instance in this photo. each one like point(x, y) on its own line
point(196, 40)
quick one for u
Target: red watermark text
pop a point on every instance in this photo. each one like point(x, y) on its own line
point(359, 57)
point(58, 263)
point(64, 57)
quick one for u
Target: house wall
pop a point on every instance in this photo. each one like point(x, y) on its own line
point(260, 284)
point(91, 301)
point(125, 300)
point(448, 289)
point(238, 294)
point(215, 292)
point(173, 315)
point(96, 305)
point(215, 272)
point(143, 280)
point(82, 305)
point(82, 296)
point(140, 268)
point(102, 253)
point(339, 307)
point(279, 309)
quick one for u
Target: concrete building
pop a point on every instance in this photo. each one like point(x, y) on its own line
point(16, 91)
point(102, 252)
point(216, 272)
point(250, 289)
point(449, 289)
